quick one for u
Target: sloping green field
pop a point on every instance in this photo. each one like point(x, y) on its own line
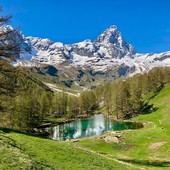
point(146, 148)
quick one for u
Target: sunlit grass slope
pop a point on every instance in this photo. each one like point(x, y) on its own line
point(146, 148)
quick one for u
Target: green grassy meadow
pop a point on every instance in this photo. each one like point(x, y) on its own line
point(146, 148)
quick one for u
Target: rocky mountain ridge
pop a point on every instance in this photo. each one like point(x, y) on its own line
point(108, 51)
point(109, 55)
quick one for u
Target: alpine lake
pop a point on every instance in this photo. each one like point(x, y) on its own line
point(93, 126)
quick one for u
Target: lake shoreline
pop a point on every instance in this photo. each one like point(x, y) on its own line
point(58, 121)
point(86, 126)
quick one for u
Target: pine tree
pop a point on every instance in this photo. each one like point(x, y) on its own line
point(73, 106)
point(121, 98)
point(107, 97)
point(9, 47)
point(136, 101)
point(88, 102)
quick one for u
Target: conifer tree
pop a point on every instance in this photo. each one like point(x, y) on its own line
point(9, 47)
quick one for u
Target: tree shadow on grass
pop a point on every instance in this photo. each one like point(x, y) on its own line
point(156, 163)
point(9, 141)
point(148, 108)
point(40, 135)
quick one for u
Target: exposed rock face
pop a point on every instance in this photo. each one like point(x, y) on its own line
point(109, 52)
point(112, 41)
point(105, 52)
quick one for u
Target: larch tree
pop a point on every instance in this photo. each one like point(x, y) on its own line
point(9, 50)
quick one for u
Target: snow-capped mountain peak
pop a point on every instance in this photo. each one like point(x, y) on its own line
point(108, 52)
point(40, 43)
point(110, 35)
point(112, 41)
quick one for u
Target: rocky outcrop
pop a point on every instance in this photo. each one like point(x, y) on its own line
point(112, 137)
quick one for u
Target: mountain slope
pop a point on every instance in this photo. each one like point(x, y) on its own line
point(145, 148)
point(108, 57)
point(105, 52)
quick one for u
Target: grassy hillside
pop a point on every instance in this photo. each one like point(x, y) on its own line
point(147, 148)
point(22, 97)
point(73, 78)
point(19, 151)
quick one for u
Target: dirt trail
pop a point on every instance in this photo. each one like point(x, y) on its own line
point(110, 157)
point(156, 145)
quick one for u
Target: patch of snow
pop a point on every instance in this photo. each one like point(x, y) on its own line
point(108, 51)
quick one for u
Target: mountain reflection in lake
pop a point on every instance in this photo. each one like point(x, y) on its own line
point(94, 126)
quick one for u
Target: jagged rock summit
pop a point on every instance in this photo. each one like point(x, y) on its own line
point(112, 40)
point(108, 52)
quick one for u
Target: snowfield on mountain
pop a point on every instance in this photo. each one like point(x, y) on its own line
point(108, 52)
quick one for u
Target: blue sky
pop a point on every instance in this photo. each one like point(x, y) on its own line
point(143, 23)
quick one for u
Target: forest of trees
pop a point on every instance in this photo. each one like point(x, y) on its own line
point(25, 102)
point(129, 97)
point(22, 97)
